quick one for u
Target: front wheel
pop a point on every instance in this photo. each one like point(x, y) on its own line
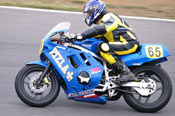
point(158, 97)
point(36, 95)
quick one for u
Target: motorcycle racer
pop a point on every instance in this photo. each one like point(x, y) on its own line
point(118, 37)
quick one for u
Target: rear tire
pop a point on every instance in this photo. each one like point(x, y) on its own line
point(160, 102)
point(26, 91)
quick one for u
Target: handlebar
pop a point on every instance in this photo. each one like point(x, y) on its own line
point(62, 39)
point(54, 39)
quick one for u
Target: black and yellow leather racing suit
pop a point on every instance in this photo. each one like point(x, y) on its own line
point(118, 37)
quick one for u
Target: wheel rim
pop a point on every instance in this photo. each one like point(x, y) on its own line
point(33, 92)
point(156, 95)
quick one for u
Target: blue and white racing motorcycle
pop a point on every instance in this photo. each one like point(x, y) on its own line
point(87, 77)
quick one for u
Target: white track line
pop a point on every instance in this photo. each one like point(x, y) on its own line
point(39, 10)
point(79, 13)
point(147, 18)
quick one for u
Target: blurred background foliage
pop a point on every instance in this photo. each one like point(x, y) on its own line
point(142, 8)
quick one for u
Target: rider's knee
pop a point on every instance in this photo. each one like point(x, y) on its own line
point(103, 47)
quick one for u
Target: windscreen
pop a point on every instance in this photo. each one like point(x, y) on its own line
point(61, 27)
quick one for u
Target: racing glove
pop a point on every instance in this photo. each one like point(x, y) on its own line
point(73, 37)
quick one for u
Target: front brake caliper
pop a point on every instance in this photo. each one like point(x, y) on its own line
point(46, 81)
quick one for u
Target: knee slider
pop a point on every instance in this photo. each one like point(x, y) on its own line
point(104, 47)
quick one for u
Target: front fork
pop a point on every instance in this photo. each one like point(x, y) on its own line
point(43, 75)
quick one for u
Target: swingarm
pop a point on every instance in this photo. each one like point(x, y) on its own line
point(144, 88)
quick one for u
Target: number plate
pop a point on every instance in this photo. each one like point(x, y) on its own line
point(154, 51)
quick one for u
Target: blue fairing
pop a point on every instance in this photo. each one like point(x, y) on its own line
point(41, 63)
point(99, 100)
point(69, 62)
point(60, 57)
point(134, 59)
point(139, 58)
point(90, 44)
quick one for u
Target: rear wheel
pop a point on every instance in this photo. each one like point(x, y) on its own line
point(158, 97)
point(31, 93)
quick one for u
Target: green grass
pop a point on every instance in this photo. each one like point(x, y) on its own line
point(43, 6)
point(126, 6)
point(77, 1)
point(146, 8)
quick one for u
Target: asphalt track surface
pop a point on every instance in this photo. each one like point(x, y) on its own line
point(20, 34)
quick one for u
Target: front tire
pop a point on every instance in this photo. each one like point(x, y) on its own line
point(29, 93)
point(159, 98)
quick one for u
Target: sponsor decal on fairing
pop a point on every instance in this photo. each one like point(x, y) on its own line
point(95, 70)
point(81, 93)
point(56, 55)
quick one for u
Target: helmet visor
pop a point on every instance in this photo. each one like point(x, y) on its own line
point(86, 15)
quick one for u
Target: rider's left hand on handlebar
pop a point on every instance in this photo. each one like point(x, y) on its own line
point(70, 37)
point(73, 37)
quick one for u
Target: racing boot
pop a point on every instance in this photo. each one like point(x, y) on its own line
point(125, 73)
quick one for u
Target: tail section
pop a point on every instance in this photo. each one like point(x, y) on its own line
point(147, 53)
